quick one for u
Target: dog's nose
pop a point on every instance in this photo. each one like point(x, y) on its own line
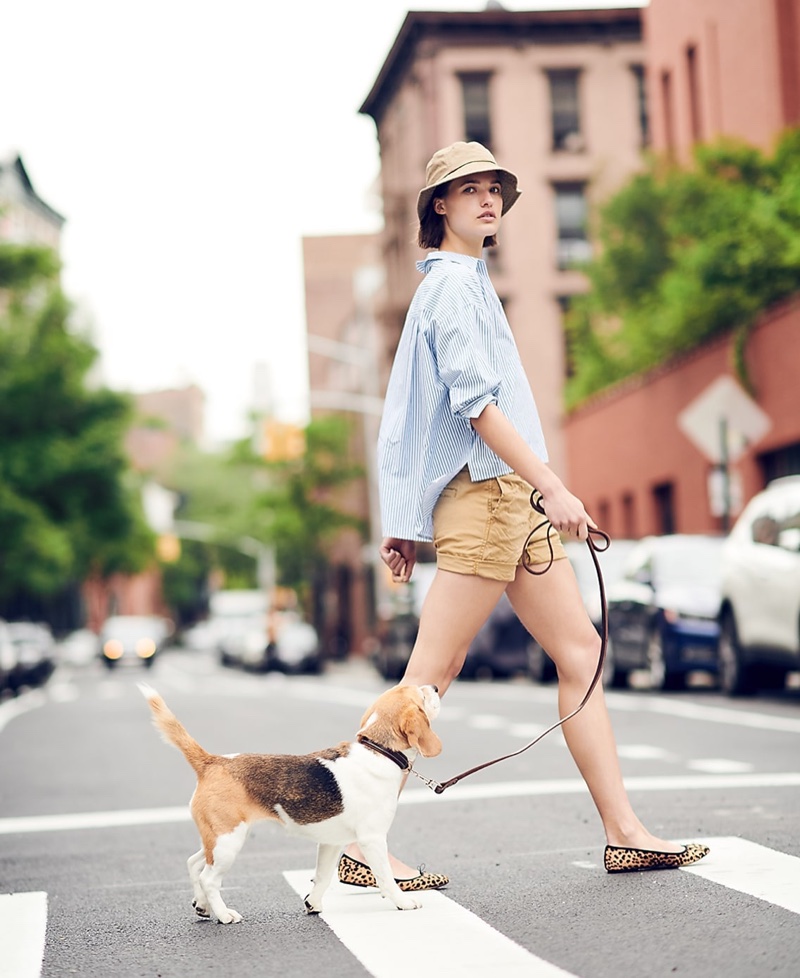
point(435, 688)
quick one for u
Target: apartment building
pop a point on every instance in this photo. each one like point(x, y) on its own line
point(24, 217)
point(722, 67)
point(715, 68)
point(343, 280)
point(559, 97)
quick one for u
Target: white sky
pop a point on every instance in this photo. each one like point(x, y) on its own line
point(191, 144)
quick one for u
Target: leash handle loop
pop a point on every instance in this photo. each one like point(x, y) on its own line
point(598, 542)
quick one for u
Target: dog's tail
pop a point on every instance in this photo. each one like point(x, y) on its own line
point(172, 730)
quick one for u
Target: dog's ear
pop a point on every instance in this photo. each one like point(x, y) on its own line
point(417, 730)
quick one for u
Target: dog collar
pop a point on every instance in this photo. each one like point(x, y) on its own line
point(397, 756)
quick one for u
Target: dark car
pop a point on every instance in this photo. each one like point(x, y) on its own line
point(138, 639)
point(612, 566)
point(500, 649)
point(33, 654)
point(662, 613)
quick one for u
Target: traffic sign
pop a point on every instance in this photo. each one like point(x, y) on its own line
point(724, 421)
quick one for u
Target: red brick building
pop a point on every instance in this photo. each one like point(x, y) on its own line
point(721, 67)
point(627, 456)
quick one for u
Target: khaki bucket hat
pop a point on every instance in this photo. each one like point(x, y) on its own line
point(459, 160)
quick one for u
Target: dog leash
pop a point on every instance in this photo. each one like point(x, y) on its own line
point(599, 545)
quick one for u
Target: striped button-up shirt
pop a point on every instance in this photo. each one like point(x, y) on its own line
point(456, 355)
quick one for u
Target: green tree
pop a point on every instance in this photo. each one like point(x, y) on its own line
point(68, 504)
point(687, 254)
point(301, 505)
point(292, 506)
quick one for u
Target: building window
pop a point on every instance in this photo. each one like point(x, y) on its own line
point(564, 304)
point(604, 515)
point(571, 220)
point(640, 81)
point(664, 504)
point(628, 517)
point(565, 110)
point(477, 123)
point(666, 101)
point(694, 93)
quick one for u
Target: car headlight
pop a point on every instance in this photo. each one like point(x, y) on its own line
point(145, 648)
point(112, 649)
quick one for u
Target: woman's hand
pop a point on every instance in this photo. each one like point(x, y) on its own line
point(567, 514)
point(400, 557)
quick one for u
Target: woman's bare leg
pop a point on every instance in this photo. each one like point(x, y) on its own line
point(551, 608)
point(455, 608)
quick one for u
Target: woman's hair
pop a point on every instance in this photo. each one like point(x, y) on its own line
point(431, 225)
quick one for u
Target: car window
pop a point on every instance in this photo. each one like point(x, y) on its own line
point(691, 561)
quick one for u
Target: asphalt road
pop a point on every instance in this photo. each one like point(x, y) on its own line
point(94, 834)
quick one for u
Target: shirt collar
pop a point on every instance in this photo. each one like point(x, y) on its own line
point(477, 264)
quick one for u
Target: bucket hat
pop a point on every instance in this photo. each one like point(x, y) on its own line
point(459, 160)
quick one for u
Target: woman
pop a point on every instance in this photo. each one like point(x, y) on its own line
point(460, 447)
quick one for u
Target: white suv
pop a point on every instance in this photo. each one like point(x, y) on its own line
point(760, 611)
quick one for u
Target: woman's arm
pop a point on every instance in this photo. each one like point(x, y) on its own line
point(565, 511)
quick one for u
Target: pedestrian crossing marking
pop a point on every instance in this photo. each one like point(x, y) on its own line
point(23, 925)
point(451, 941)
point(753, 869)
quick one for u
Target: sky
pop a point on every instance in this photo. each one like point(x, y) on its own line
point(191, 145)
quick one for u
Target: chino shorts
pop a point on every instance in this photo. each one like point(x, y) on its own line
point(480, 528)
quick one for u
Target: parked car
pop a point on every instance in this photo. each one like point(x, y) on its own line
point(760, 608)
point(126, 639)
point(612, 565)
point(500, 649)
point(293, 647)
point(34, 654)
point(398, 632)
point(8, 658)
point(238, 624)
point(663, 612)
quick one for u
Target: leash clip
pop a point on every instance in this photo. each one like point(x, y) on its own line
point(430, 782)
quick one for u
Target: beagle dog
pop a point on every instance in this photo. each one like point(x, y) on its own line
point(336, 796)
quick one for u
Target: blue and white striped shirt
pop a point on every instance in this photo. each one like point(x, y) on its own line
point(456, 355)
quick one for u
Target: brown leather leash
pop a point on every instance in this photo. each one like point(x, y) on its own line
point(594, 548)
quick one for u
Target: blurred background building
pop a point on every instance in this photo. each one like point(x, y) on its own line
point(343, 285)
point(715, 68)
point(24, 217)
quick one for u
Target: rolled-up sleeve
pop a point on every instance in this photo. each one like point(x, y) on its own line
point(459, 340)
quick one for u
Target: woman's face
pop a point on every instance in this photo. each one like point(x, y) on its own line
point(471, 208)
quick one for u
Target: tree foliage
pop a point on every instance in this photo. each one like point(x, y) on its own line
point(301, 502)
point(68, 507)
point(292, 506)
point(687, 254)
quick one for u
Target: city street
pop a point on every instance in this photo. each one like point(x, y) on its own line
point(95, 833)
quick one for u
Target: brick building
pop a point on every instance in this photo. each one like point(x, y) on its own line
point(628, 458)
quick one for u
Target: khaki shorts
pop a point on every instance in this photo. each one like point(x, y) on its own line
point(480, 528)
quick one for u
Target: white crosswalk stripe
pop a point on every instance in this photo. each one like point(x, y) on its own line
point(456, 943)
point(23, 923)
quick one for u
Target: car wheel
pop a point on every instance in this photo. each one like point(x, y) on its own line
point(656, 666)
point(613, 676)
point(736, 677)
point(540, 666)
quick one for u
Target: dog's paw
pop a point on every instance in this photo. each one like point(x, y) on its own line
point(200, 910)
point(230, 916)
point(310, 908)
point(407, 903)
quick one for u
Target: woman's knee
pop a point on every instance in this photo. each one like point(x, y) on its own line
point(578, 662)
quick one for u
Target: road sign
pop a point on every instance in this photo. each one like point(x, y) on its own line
point(724, 421)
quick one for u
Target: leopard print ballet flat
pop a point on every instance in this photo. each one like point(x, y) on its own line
point(354, 873)
point(622, 859)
